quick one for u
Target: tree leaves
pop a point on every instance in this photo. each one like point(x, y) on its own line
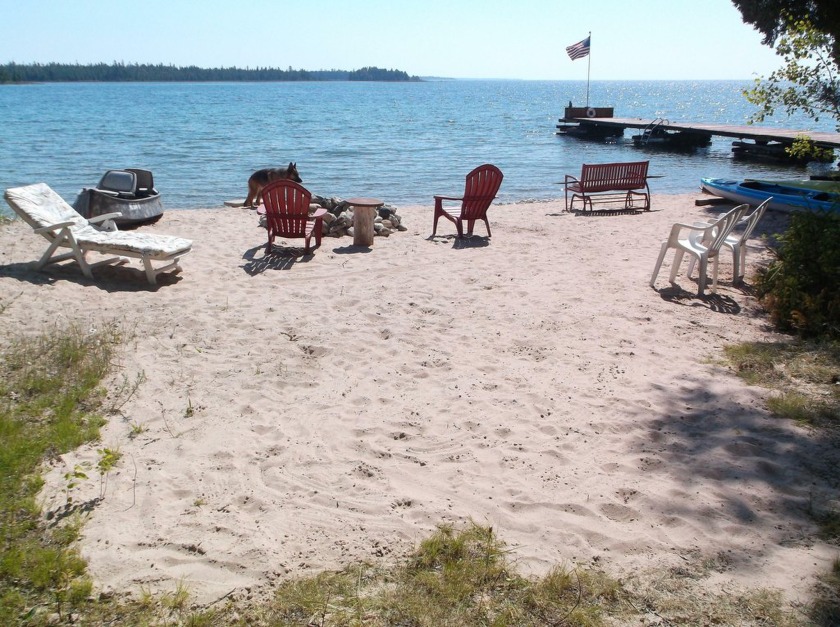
point(807, 82)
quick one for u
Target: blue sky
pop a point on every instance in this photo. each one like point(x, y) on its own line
point(645, 39)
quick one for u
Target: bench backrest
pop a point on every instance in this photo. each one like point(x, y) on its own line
point(603, 177)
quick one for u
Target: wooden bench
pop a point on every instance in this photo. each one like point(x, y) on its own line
point(610, 183)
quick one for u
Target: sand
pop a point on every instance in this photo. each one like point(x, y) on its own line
point(300, 413)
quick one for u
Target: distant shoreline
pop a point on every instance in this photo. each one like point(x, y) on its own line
point(14, 73)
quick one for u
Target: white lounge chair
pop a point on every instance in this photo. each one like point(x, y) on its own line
point(49, 215)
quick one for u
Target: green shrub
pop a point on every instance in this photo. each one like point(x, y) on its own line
point(801, 288)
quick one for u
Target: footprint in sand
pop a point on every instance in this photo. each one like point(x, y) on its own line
point(366, 471)
point(313, 351)
point(619, 513)
point(626, 494)
point(577, 510)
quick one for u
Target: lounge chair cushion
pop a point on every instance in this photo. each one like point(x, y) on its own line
point(149, 244)
point(42, 207)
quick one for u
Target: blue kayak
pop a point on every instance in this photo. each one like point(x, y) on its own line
point(784, 197)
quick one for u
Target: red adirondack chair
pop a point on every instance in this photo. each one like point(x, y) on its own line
point(287, 214)
point(482, 185)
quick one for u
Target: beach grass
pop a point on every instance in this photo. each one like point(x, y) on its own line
point(467, 576)
point(454, 577)
point(805, 377)
point(50, 390)
point(826, 608)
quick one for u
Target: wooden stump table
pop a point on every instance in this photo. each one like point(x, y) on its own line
point(364, 213)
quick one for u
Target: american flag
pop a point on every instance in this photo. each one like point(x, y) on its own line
point(578, 50)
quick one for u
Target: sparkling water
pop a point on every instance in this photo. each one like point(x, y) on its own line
point(400, 142)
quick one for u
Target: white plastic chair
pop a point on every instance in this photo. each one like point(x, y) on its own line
point(701, 241)
point(737, 242)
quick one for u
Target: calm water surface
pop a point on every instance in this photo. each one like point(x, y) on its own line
point(400, 142)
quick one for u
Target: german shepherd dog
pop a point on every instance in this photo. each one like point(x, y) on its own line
point(261, 178)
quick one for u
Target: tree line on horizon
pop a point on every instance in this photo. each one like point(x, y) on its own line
point(137, 72)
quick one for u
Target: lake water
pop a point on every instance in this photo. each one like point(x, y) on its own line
point(401, 142)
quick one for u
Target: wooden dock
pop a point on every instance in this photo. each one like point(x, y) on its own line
point(758, 134)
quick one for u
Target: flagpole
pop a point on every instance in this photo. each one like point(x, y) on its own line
point(588, 67)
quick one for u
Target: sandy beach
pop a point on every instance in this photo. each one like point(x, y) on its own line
point(298, 413)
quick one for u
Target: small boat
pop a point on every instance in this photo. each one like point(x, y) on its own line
point(655, 135)
point(676, 140)
point(785, 198)
point(131, 192)
point(775, 152)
